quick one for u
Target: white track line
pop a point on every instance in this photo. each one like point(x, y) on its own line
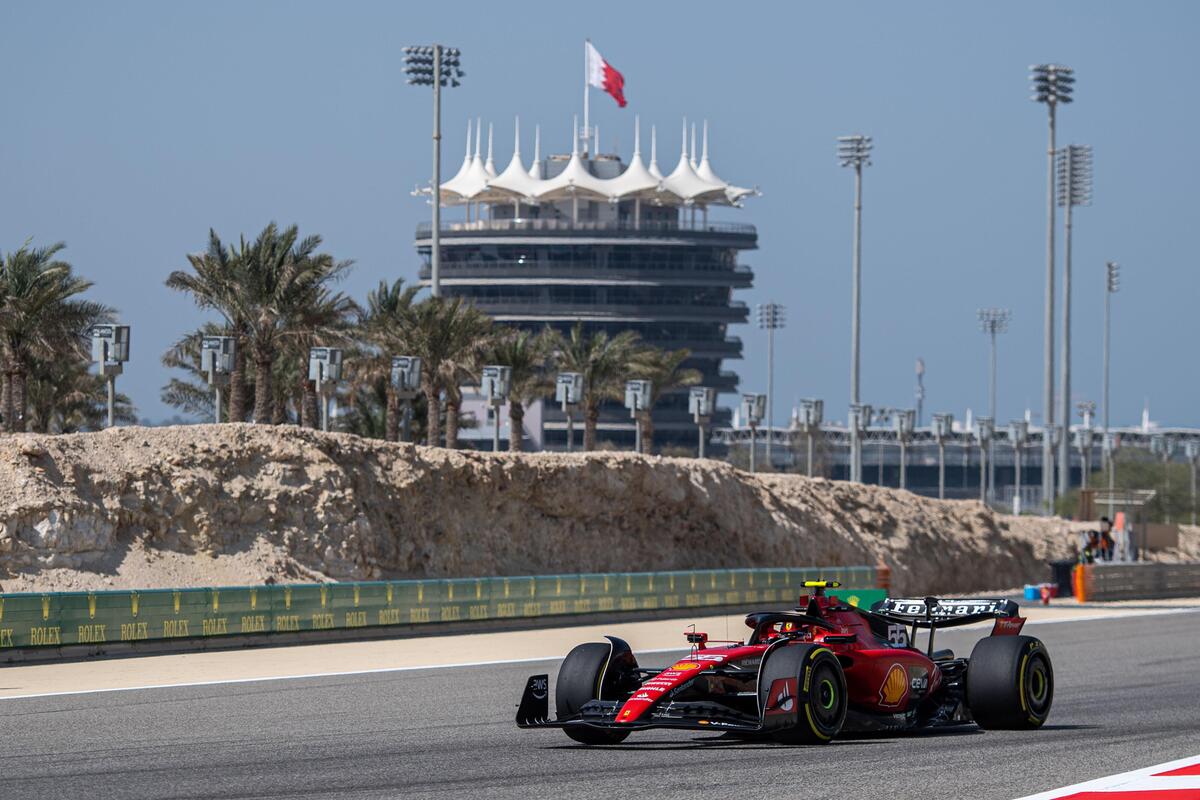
point(501, 662)
point(1138, 780)
point(376, 671)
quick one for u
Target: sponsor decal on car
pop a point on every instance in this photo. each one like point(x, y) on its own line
point(895, 687)
point(782, 697)
point(944, 608)
point(539, 686)
point(710, 657)
point(684, 666)
point(1008, 626)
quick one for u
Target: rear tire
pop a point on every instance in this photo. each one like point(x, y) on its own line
point(821, 707)
point(578, 683)
point(1010, 683)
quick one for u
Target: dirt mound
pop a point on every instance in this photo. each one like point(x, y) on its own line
point(204, 504)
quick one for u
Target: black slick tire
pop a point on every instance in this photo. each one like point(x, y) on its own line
point(821, 700)
point(579, 682)
point(1010, 683)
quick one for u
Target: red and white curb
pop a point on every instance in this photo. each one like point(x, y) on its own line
point(1174, 780)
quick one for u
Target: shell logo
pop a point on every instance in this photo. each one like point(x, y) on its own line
point(895, 686)
point(684, 666)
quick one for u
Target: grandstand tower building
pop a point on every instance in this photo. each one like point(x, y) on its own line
point(586, 238)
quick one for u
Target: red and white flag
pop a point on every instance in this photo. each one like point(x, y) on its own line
point(601, 75)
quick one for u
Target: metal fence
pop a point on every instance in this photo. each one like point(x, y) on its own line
point(1142, 580)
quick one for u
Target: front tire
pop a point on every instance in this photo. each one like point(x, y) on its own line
point(821, 700)
point(579, 682)
point(1010, 683)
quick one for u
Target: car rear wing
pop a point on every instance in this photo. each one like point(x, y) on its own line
point(931, 612)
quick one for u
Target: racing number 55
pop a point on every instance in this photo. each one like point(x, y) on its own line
point(897, 635)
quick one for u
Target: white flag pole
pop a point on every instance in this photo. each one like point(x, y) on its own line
point(586, 94)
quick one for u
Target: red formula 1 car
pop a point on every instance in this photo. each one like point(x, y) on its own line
point(804, 676)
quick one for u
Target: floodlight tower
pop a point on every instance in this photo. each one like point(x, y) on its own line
point(1191, 448)
point(855, 151)
point(1112, 282)
point(1083, 438)
point(1052, 84)
point(1074, 189)
point(919, 394)
point(993, 321)
point(943, 429)
point(812, 413)
point(905, 421)
point(435, 66)
point(1018, 434)
point(860, 417)
point(985, 428)
point(771, 317)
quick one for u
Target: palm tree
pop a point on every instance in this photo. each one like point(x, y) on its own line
point(526, 354)
point(215, 282)
point(320, 318)
point(448, 336)
point(40, 320)
point(384, 327)
point(191, 394)
point(261, 288)
point(602, 360)
point(666, 373)
point(63, 397)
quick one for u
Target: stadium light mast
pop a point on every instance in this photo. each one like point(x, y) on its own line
point(855, 151)
point(993, 321)
point(1051, 84)
point(1074, 189)
point(771, 317)
point(919, 394)
point(435, 66)
point(1112, 282)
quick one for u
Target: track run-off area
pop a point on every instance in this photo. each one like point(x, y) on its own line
point(427, 718)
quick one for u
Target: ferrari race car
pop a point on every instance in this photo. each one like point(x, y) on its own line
point(804, 676)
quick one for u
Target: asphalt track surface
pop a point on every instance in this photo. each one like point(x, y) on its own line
point(1127, 696)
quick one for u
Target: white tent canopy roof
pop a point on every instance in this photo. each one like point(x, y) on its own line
point(515, 182)
point(477, 181)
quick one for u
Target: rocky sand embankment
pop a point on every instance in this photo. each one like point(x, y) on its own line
point(204, 504)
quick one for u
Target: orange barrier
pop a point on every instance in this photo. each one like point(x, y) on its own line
point(883, 576)
point(1081, 580)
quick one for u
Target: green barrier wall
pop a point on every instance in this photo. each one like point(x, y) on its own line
point(93, 618)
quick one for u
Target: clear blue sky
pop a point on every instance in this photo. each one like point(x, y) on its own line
point(130, 128)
